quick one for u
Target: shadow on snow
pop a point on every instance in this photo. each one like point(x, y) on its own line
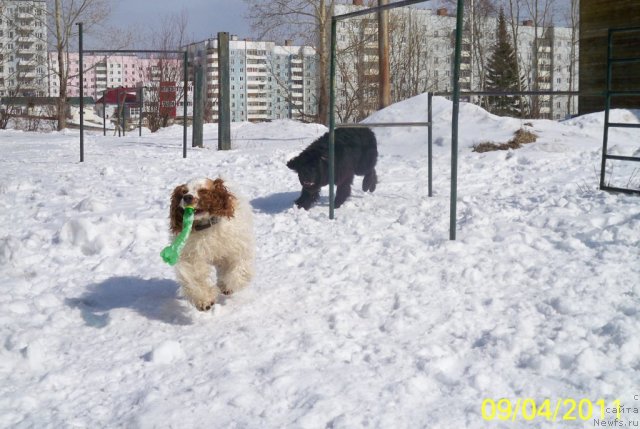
point(154, 299)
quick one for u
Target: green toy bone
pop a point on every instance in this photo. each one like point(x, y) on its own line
point(171, 254)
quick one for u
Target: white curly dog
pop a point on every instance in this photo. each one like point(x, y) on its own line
point(222, 237)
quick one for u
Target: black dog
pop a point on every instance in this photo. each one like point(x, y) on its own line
point(356, 153)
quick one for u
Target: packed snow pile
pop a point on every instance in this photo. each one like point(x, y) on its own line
point(374, 319)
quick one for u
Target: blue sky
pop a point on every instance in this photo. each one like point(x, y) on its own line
point(206, 17)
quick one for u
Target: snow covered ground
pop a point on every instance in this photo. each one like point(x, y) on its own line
point(372, 320)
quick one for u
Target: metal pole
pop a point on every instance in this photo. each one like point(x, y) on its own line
point(384, 95)
point(140, 111)
point(81, 92)
point(104, 113)
point(198, 107)
point(224, 91)
point(185, 92)
point(607, 106)
point(124, 119)
point(117, 115)
point(454, 121)
point(430, 143)
point(332, 120)
point(195, 101)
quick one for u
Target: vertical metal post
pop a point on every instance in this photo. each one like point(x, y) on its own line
point(332, 120)
point(607, 107)
point(140, 104)
point(454, 121)
point(384, 93)
point(118, 111)
point(224, 93)
point(81, 92)
point(124, 112)
point(104, 113)
point(185, 93)
point(198, 106)
point(430, 143)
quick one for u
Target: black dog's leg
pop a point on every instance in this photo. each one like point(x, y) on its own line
point(370, 181)
point(343, 191)
point(307, 199)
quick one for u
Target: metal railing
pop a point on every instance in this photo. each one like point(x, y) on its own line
point(607, 124)
point(332, 98)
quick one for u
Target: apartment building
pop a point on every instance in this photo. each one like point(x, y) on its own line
point(268, 81)
point(100, 73)
point(129, 72)
point(421, 57)
point(23, 48)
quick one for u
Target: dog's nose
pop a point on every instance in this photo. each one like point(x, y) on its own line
point(188, 198)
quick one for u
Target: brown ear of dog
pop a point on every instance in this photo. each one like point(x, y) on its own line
point(175, 211)
point(217, 200)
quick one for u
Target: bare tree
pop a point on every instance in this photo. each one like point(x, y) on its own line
point(539, 17)
point(514, 13)
point(384, 96)
point(165, 68)
point(540, 12)
point(410, 54)
point(573, 18)
point(307, 20)
point(478, 29)
point(63, 17)
point(357, 78)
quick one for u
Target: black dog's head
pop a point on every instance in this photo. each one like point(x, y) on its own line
point(310, 171)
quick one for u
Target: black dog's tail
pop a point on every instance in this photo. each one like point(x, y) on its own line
point(370, 181)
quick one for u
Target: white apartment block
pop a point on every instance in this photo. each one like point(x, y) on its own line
point(421, 57)
point(267, 81)
point(23, 48)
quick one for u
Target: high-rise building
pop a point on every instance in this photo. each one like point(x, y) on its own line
point(421, 59)
point(267, 81)
point(102, 72)
point(23, 48)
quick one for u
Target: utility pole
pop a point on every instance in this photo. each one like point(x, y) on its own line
point(384, 84)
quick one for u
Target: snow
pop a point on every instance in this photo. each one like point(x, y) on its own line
point(374, 319)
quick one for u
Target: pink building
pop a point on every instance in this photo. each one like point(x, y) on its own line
point(102, 72)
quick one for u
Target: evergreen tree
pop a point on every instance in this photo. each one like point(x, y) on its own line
point(502, 74)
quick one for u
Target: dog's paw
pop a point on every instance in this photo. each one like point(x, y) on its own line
point(225, 290)
point(204, 305)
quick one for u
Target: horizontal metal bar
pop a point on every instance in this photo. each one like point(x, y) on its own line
point(623, 190)
point(625, 60)
point(385, 124)
point(505, 93)
point(624, 93)
point(622, 158)
point(376, 9)
point(622, 30)
point(622, 125)
point(129, 51)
